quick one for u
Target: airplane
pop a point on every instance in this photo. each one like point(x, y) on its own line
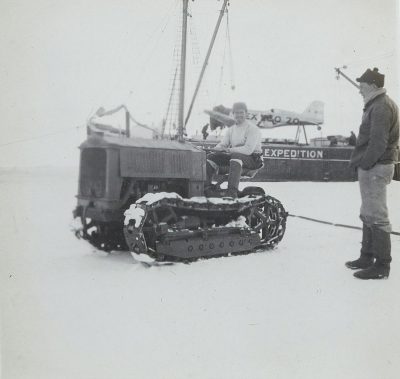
point(272, 118)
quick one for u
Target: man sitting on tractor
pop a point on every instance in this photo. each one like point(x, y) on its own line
point(240, 148)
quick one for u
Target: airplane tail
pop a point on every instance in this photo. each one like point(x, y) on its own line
point(315, 111)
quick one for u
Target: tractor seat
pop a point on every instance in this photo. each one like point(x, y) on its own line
point(250, 174)
point(247, 174)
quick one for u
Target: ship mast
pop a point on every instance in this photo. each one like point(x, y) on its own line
point(221, 14)
point(182, 71)
point(181, 117)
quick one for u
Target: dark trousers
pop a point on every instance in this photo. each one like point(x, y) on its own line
point(221, 160)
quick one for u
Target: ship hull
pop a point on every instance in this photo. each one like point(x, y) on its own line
point(302, 163)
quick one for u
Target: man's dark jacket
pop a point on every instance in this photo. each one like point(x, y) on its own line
point(378, 137)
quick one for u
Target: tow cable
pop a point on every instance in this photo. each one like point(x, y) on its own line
point(334, 224)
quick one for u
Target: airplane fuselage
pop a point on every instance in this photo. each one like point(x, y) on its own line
point(277, 117)
point(272, 118)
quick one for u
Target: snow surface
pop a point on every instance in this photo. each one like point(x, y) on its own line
point(69, 311)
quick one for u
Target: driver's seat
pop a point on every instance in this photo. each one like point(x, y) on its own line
point(246, 174)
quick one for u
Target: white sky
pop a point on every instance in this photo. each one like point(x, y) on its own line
point(62, 60)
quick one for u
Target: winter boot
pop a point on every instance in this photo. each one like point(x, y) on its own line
point(235, 170)
point(366, 257)
point(381, 247)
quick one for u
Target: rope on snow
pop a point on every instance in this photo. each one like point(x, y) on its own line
point(334, 224)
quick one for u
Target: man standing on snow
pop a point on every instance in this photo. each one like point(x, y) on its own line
point(240, 148)
point(374, 155)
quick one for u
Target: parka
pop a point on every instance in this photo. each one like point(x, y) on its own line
point(378, 137)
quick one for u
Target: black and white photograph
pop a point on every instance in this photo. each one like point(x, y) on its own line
point(199, 189)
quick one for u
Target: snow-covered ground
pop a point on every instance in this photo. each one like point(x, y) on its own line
point(68, 311)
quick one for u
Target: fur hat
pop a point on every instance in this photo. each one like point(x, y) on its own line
point(239, 107)
point(372, 77)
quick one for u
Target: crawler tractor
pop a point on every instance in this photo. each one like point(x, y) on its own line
point(147, 196)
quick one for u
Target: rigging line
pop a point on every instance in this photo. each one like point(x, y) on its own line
point(162, 26)
point(193, 42)
point(221, 75)
point(151, 49)
point(165, 20)
point(172, 119)
point(143, 125)
point(106, 96)
point(42, 136)
point(171, 116)
point(216, 28)
point(172, 84)
point(230, 52)
point(196, 55)
point(371, 58)
point(334, 224)
point(227, 46)
point(115, 110)
point(171, 96)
